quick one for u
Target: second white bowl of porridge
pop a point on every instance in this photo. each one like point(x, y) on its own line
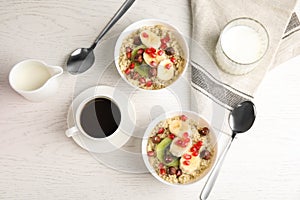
point(151, 54)
point(179, 148)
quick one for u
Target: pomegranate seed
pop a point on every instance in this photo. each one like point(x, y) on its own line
point(186, 162)
point(128, 50)
point(163, 46)
point(148, 51)
point(135, 76)
point(167, 38)
point(149, 84)
point(128, 54)
point(153, 64)
point(172, 136)
point(163, 41)
point(187, 156)
point(131, 66)
point(168, 66)
point(183, 118)
point(196, 153)
point(184, 144)
point(160, 52)
point(142, 80)
point(187, 140)
point(199, 144)
point(153, 50)
point(140, 51)
point(162, 171)
point(150, 153)
point(145, 35)
point(152, 55)
point(185, 135)
point(161, 131)
point(127, 71)
point(161, 165)
point(193, 149)
point(178, 142)
point(140, 59)
point(173, 59)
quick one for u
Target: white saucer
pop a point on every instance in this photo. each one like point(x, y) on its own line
point(123, 133)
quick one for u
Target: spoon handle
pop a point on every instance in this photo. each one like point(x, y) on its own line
point(122, 10)
point(214, 174)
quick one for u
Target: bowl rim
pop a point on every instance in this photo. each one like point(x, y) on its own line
point(148, 132)
point(149, 22)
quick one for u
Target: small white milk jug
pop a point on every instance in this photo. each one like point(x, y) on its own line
point(34, 79)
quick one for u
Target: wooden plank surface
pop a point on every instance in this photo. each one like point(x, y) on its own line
point(37, 161)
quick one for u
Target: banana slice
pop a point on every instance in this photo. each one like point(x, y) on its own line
point(149, 60)
point(178, 127)
point(189, 166)
point(179, 147)
point(150, 39)
point(165, 73)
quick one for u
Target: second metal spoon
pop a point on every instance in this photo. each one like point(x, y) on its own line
point(241, 120)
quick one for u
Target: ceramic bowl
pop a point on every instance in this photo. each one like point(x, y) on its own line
point(150, 22)
point(202, 122)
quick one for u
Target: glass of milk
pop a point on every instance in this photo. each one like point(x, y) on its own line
point(241, 45)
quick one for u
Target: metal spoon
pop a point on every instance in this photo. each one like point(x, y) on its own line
point(241, 120)
point(82, 59)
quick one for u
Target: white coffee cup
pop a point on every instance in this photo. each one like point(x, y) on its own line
point(115, 139)
point(34, 79)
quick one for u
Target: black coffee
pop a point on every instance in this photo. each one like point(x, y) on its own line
point(100, 118)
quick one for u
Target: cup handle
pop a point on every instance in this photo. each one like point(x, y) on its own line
point(72, 131)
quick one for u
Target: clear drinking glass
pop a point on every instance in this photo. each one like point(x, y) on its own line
point(241, 46)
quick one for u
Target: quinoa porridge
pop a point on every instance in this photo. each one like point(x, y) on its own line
point(180, 150)
point(151, 57)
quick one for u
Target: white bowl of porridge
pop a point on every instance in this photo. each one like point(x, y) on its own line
point(151, 54)
point(179, 148)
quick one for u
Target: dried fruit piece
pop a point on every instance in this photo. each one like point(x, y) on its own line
point(156, 139)
point(137, 40)
point(172, 170)
point(170, 51)
point(205, 154)
point(204, 131)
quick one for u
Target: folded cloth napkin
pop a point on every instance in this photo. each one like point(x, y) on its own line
point(214, 92)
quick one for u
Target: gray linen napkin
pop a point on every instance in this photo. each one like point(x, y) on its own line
point(214, 92)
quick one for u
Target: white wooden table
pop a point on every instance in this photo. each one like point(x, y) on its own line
point(37, 161)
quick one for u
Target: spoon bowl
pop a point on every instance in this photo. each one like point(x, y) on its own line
point(80, 60)
point(242, 117)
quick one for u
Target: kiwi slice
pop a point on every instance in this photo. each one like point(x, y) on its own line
point(164, 155)
point(143, 70)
